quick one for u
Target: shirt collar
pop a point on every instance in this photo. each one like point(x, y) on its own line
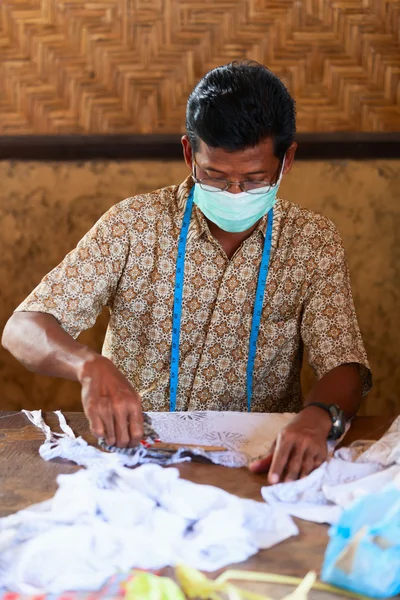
point(198, 224)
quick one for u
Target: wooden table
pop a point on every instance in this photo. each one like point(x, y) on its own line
point(25, 479)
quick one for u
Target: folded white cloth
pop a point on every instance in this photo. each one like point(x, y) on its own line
point(360, 469)
point(107, 518)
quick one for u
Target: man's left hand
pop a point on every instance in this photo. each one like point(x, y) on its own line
point(299, 448)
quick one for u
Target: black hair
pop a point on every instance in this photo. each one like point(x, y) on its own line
point(236, 106)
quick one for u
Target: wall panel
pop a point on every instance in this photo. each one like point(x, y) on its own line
point(45, 208)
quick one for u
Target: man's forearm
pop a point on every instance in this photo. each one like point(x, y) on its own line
point(341, 386)
point(39, 342)
point(112, 406)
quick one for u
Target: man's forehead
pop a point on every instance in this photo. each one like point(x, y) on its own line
point(259, 158)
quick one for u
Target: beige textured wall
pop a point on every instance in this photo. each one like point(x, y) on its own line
point(45, 208)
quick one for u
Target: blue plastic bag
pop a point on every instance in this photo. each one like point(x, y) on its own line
point(363, 554)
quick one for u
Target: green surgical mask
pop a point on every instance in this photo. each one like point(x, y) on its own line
point(235, 212)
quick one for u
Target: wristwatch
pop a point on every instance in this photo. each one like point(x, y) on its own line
point(337, 417)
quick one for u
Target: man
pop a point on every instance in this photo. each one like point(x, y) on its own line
point(213, 288)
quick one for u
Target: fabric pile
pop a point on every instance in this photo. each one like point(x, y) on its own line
point(106, 518)
point(360, 469)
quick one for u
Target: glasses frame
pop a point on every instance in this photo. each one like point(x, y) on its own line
point(239, 183)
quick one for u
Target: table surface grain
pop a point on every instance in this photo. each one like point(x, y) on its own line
point(25, 479)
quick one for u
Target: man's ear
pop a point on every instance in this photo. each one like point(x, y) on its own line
point(187, 151)
point(289, 158)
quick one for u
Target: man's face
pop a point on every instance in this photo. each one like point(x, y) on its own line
point(257, 164)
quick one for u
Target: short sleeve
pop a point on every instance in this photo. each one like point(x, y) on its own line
point(76, 291)
point(329, 327)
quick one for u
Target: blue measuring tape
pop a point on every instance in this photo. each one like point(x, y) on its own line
point(177, 308)
point(258, 305)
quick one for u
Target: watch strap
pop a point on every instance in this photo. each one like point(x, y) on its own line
point(337, 417)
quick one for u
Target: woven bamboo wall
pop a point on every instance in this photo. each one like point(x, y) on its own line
point(119, 66)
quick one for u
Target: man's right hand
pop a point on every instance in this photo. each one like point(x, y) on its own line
point(112, 406)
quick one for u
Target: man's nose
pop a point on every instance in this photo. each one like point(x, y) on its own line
point(234, 187)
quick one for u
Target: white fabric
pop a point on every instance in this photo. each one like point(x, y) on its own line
point(108, 518)
point(362, 468)
point(245, 435)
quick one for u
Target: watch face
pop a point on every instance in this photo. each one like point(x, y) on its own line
point(338, 422)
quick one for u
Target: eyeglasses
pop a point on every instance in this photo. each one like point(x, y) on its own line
point(210, 184)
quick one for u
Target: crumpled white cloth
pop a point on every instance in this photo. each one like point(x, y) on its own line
point(107, 518)
point(359, 469)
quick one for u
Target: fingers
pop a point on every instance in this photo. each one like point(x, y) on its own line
point(112, 405)
point(295, 461)
point(123, 423)
point(96, 425)
point(297, 458)
point(107, 417)
point(280, 458)
point(135, 425)
point(299, 449)
point(121, 426)
point(101, 423)
point(308, 465)
point(95, 418)
point(292, 459)
point(262, 464)
point(128, 421)
point(320, 457)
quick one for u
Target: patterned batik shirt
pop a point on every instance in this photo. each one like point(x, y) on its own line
point(127, 262)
